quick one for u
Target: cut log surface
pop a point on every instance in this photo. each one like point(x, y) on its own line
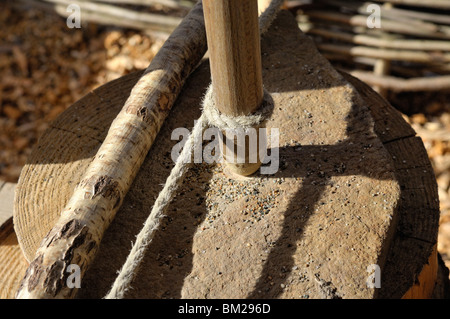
point(12, 261)
point(6, 202)
point(354, 189)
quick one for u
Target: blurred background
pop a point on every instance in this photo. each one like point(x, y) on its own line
point(45, 66)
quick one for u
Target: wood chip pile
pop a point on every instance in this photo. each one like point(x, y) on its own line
point(45, 67)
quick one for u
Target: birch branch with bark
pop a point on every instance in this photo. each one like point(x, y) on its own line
point(76, 236)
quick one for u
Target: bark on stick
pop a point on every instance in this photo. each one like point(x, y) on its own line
point(76, 236)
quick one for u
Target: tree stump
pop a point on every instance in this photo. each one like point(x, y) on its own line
point(12, 261)
point(6, 204)
point(354, 192)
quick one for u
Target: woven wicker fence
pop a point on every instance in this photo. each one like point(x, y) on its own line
point(397, 45)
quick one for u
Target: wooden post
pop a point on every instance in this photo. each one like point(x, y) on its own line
point(233, 37)
point(235, 54)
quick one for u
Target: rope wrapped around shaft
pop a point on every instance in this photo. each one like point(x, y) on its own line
point(223, 122)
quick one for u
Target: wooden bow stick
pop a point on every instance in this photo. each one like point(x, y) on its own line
point(76, 236)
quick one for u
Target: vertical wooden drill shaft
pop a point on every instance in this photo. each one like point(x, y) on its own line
point(232, 30)
point(235, 54)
